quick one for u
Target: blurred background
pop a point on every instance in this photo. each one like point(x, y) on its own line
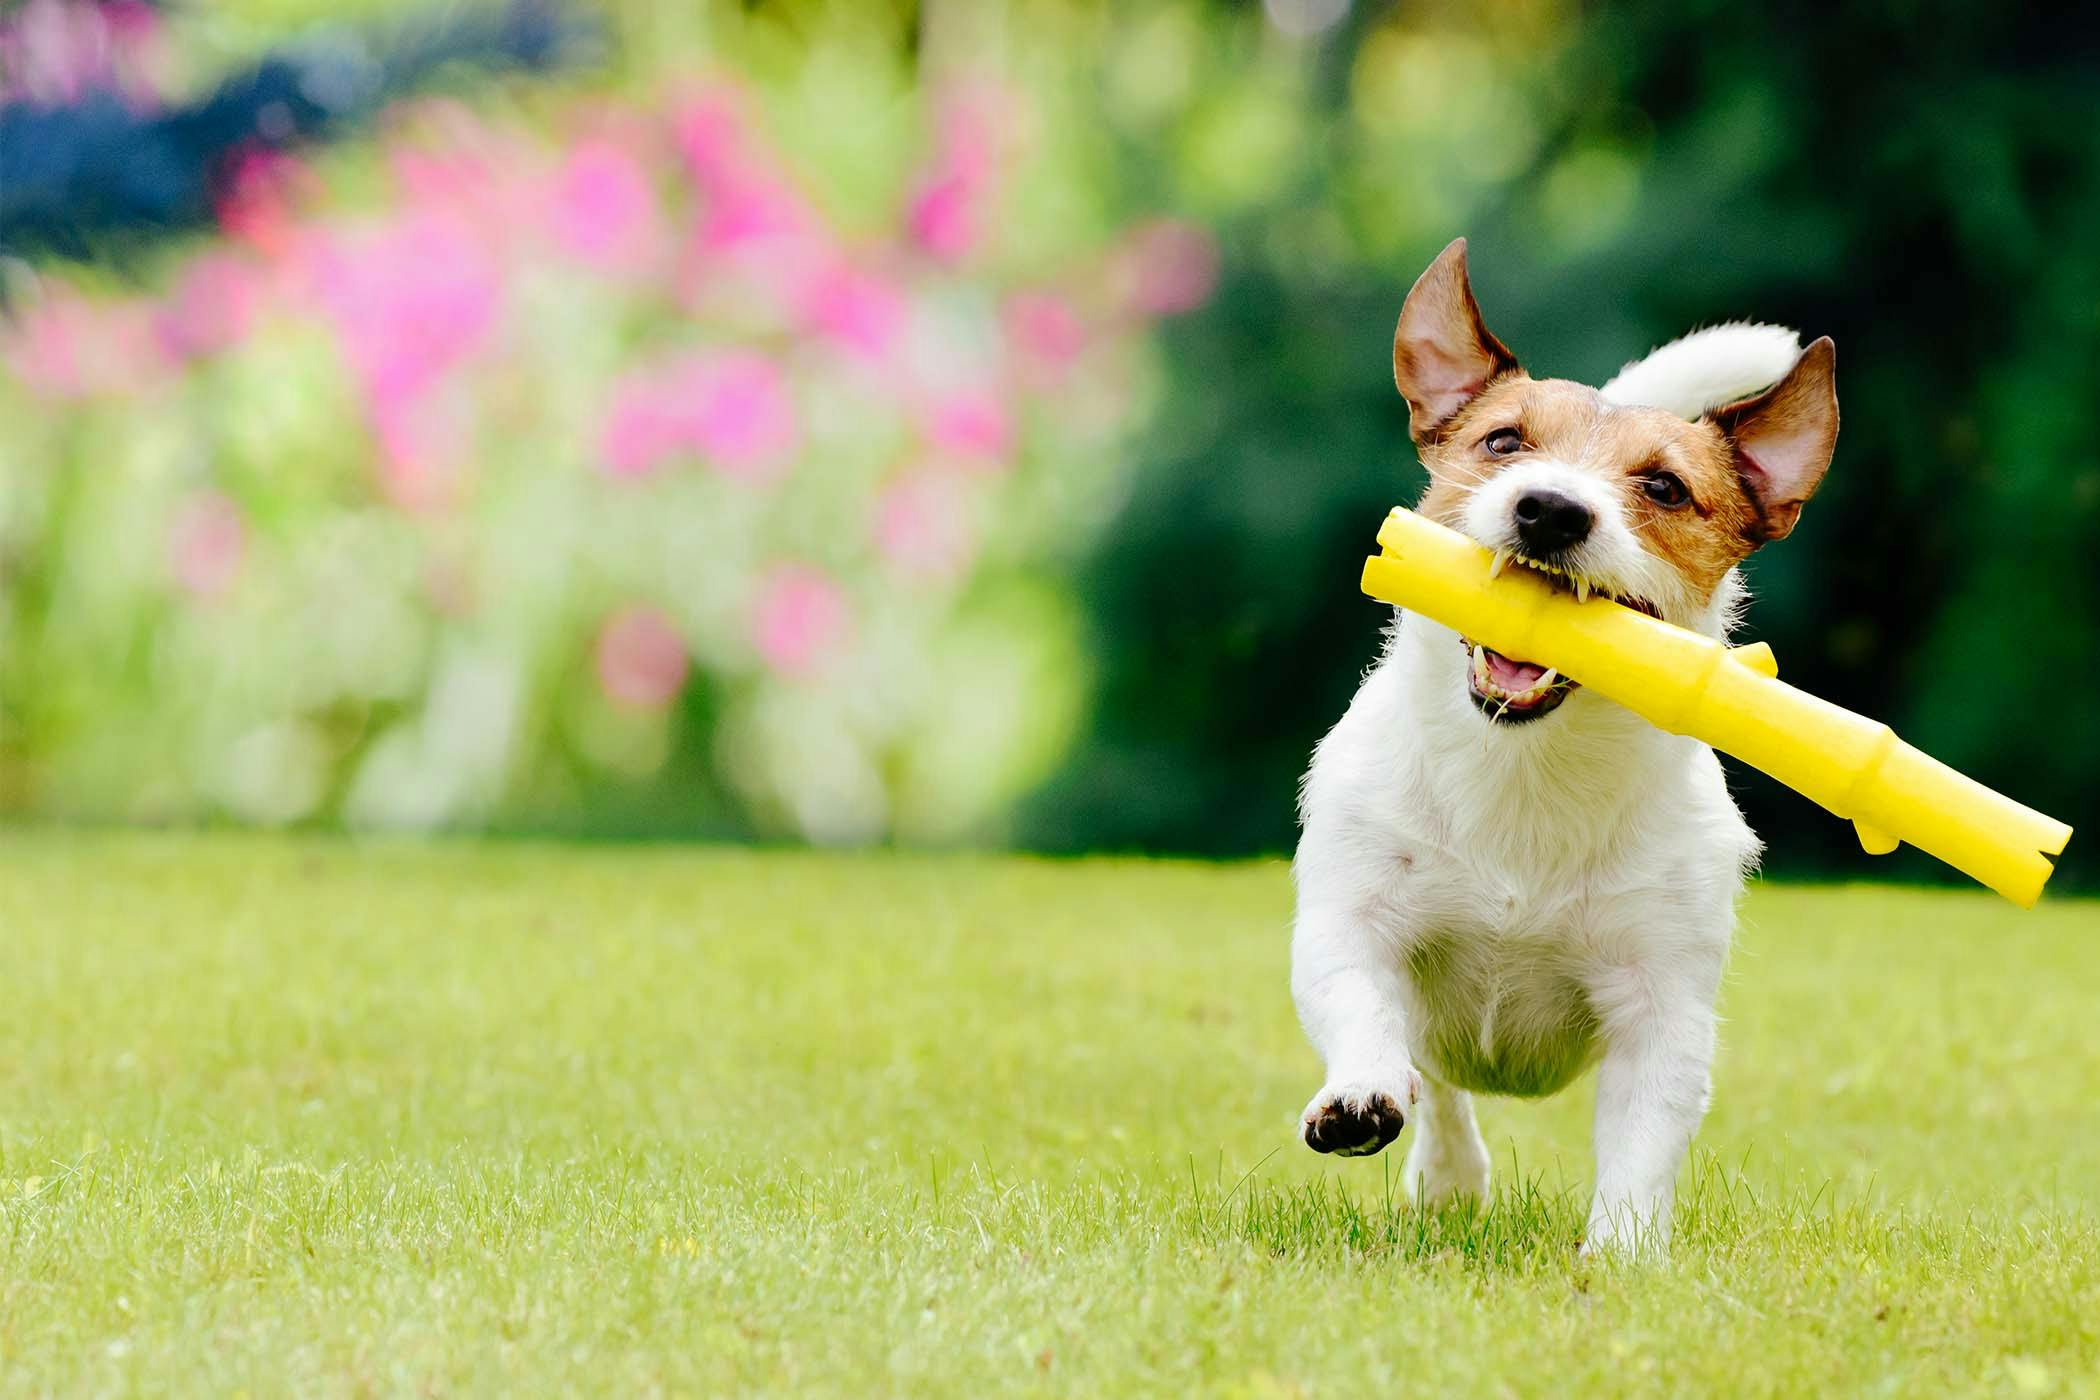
point(962, 422)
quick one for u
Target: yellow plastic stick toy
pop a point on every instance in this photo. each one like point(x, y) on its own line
point(1730, 698)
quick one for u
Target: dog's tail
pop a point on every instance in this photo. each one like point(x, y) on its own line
point(1707, 368)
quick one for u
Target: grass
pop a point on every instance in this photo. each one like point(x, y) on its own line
point(305, 1117)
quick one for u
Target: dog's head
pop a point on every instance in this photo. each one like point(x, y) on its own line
point(1640, 504)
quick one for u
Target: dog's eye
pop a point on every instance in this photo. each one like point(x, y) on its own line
point(1503, 441)
point(1665, 490)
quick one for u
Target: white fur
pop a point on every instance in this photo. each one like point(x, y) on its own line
point(1707, 368)
point(1494, 908)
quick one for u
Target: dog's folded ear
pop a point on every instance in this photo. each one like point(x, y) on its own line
point(1443, 353)
point(1783, 439)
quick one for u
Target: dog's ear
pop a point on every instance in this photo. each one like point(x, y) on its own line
point(1443, 353)
point(1783, 439)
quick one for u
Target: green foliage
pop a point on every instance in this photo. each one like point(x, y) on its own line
point(1924, 190)
point(314, 1118)
point(1919, 183)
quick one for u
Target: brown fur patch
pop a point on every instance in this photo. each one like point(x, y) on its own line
point(1618, 445)
point(1782, 439)
point(1443, 352)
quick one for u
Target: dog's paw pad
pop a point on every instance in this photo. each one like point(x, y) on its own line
point(1353, 1124)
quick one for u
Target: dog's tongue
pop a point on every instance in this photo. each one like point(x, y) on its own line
point(1513, 676)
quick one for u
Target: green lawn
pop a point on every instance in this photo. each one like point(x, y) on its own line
point(318, 1118)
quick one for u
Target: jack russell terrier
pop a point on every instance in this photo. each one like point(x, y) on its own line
point(1503, 879)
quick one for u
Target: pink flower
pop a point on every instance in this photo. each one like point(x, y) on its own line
point(800, 617)
point(54, 52)
point(971, 426)
point(205, 543)
point(862, 312)
point(947, 216)
point(412, 304)
point(255, 200)
point(746, 195)
point(603, 209)
point(642, 429)
point(641, 659)
point(742, 415)
point(44, 344)
point(761, 254)
point(1045, 329)
point(952, 208)
point(211, 307)
point(425, 447)
point(923, 525)
point(444, 157)
point(735, 410)
point(65, 346)
point(1167, 267)
point(131, 22)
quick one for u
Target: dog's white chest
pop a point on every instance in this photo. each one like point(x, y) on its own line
point(1527, 891)
point(1501, 1010)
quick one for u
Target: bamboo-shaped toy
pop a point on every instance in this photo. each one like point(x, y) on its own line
point(1728, 697)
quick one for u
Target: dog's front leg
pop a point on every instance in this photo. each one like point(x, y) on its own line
point(1347, 985)
point(1652, 1089)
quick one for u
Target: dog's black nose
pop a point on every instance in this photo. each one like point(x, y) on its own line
point(1549, 523)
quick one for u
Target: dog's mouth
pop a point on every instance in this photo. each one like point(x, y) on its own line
point(1511, 691)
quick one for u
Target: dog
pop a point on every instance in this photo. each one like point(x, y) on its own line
point(1502, 879)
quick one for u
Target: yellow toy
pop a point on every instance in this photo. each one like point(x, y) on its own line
point(1730, 698)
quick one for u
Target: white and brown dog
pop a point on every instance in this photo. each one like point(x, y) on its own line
point(1504, 879)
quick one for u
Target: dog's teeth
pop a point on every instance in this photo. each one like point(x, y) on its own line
point(1582, 590)
point(1546, 681)
point(1495, 567)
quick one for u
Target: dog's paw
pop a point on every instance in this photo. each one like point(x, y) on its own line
point(1448, 1175)
point(1358, 1119)
point(1624, 1233)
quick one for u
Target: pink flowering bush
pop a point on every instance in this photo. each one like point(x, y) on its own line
point(550, 473)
